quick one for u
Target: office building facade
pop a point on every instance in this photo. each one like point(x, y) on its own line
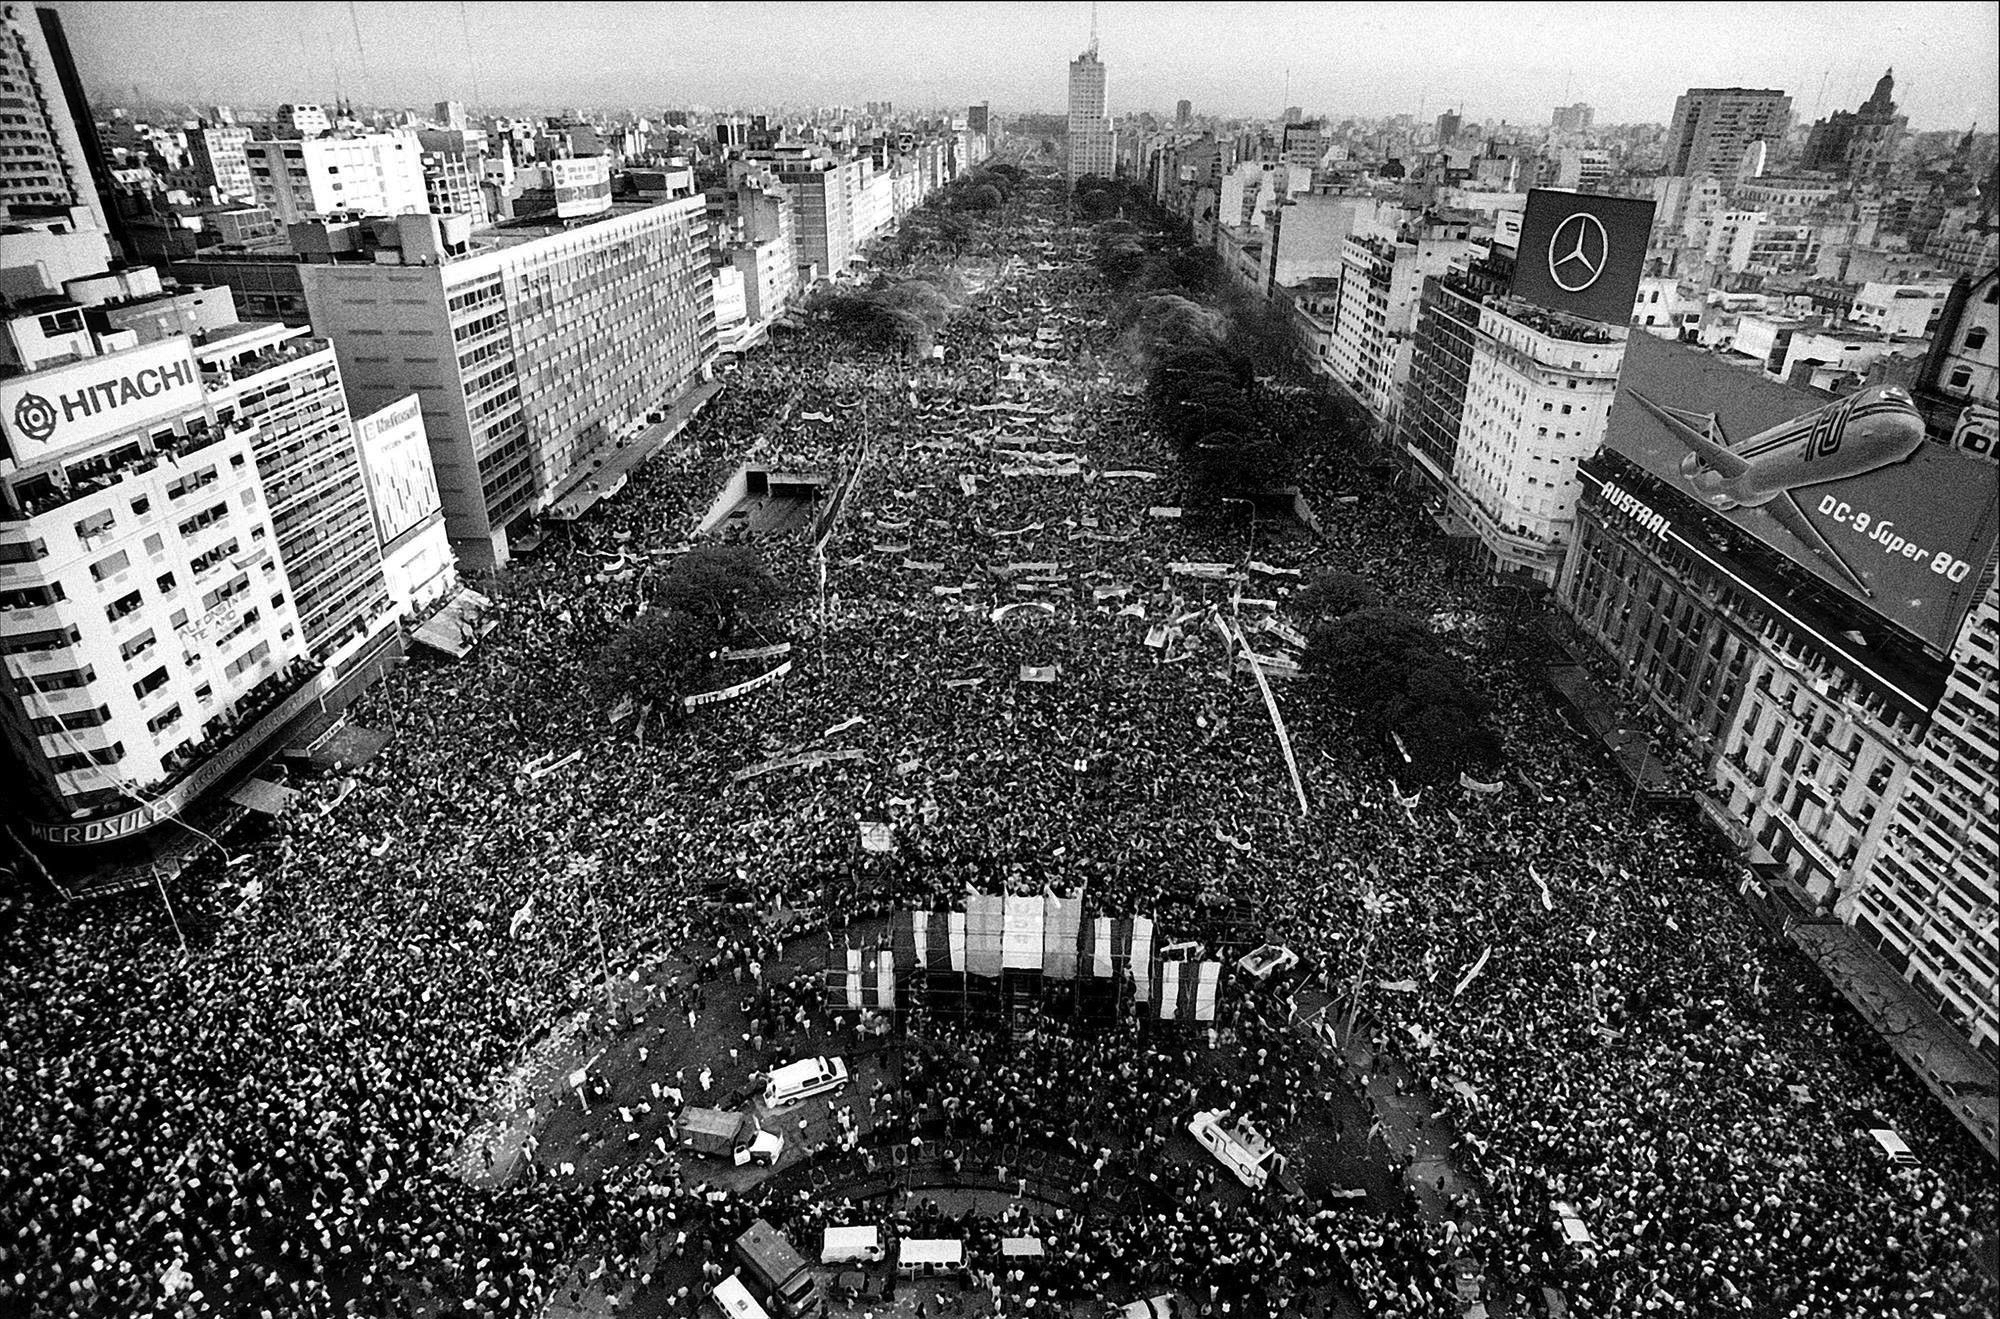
point(148, 629)
point(1713, 128)
point(44, 161)
point(530, 353)
point(307, 178)
point(287, 385)
point(1093, 147)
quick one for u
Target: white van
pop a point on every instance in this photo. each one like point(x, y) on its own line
point(851, 1245)
point(802, 1080)
point(1241, 1148)
point(930, 1257)
point(735, 1301)
point(1893, 1145)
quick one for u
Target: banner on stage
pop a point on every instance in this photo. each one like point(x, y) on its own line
point(735, 690)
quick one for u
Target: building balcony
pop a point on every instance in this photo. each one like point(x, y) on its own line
point(219, 375)
point(49, 494)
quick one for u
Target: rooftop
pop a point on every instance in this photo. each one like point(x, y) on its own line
point(509, 233)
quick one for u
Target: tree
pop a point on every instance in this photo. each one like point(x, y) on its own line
point(1393, 672)
point(1334, 594)
point(660, 657)
point(723, 584)
point(982, 197)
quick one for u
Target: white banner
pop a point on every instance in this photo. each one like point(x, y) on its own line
point(1473, 974)
point(1021, 934)
point(1142, 957)
point(885, 979)
point(730, 693)
point(876, 836)
point(1100, 947)
point(1204, 990)
point(1170, 990)
point(758, 652)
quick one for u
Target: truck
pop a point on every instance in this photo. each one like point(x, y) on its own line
point(722, 1134)
point(776, 1274)
point(1241, 1148)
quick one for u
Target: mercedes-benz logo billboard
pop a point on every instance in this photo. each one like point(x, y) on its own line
point(1577, 252)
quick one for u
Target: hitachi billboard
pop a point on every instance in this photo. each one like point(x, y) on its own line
point(68, 406)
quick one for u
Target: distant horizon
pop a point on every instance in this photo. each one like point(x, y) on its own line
point(1628, 61)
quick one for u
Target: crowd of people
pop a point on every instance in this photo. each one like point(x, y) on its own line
point(264, 1126)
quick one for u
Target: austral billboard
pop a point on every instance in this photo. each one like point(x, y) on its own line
point(1582, 254)
point(1846, 487)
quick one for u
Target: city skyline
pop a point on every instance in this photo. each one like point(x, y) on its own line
point(1344, 59)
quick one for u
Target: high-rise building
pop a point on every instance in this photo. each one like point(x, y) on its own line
point(221, 161)
point(1860, 145)
point(1448, 126)
point(451, 185)
point(1093, 148)
point(1381, 283)
point(1572, 118)
point(1293, 114)
point(976, 118)
point(150, 637)
point(1514, 362)
point(304, 178)
point(451, 114)
point(535, 353)
point(1714, 127)
point(1183, 113)
point(1845, 716)
point(45, 162)
point(286, 384)
point(303, 120)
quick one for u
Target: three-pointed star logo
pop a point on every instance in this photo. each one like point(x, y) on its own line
point(1577, 252)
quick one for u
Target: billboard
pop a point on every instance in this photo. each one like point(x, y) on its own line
point(1582, 254)
point(1848, 488)
point(402, 485)
point(50, 411)
point(583, 186)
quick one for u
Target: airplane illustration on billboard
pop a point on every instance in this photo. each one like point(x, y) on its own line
point(1866, 431)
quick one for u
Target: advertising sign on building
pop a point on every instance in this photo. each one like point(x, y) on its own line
point(1582, 254)
point(50, 411)
point(1848, 488)
point(402, 485)
point(583, 186)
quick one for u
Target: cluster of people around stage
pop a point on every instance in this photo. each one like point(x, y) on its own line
point(266, 1126)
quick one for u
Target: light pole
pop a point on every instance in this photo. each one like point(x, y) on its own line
point(1374, 906)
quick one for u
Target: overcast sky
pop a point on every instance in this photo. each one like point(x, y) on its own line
point(1499, 60)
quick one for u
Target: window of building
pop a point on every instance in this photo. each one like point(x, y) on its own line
point(1975, 338)
point(152, 682)
point(1961, 378)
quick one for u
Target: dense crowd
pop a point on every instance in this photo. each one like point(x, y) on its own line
point(265, 1127)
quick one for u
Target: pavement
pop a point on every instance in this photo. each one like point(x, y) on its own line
point(1416, 1135)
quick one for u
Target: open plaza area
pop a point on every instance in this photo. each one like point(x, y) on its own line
point(424, 1044)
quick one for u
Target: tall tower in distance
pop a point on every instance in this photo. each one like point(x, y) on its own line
point(1714, 126)
point(1093, 149)
point(46, 165)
